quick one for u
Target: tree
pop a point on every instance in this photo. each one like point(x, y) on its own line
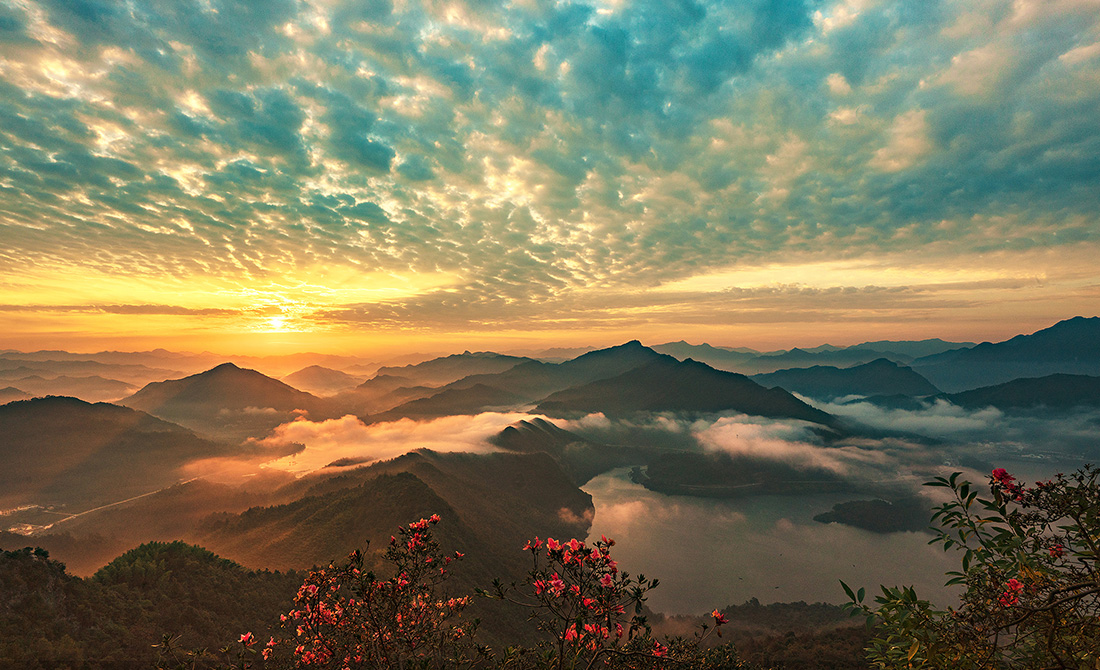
point(1030, 574)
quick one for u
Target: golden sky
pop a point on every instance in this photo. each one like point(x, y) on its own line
point(382, 177)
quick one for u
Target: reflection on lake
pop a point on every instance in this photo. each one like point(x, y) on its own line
point(712, 553)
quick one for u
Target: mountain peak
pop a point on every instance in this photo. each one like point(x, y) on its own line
point(224, 367)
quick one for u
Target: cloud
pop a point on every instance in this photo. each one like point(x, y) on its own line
point(791, 443)
point(348, 437)
point(542, 155)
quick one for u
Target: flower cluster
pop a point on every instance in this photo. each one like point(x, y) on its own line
point(1011, 596)
point(347, 617)
point(592, 610)
point(1002, 481)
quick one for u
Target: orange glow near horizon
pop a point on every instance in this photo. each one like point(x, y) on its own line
point(771, 307)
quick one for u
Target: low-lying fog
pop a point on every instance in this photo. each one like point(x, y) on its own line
point(710, 553)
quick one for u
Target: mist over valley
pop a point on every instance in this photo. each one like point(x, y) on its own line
point(729, 487)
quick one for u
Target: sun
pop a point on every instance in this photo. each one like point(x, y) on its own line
point(277, 324)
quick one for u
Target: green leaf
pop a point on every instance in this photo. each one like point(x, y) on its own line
point(849, 592)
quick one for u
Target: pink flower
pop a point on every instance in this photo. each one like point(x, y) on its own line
point(552, 544)
point(248, 639)
point(659, 649)
point(533, 546)
point(606, 581)
point(557, 585)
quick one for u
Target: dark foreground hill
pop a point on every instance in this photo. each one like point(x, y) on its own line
point(59, 450)
point(51, 620)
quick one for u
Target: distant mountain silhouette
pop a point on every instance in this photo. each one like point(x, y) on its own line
point(92, 389)
point(321, 380)
point(10, 393)
point(1058, 391)
point(704, 353)
point(879, 377)
point(66, 451)
point(440, 371)
point(227, 401)
point(1071, 347)
point(22, 365)
point(670, 385)
point(803, 358)
point(535, 380)
point(913, 348)
point(380, 393)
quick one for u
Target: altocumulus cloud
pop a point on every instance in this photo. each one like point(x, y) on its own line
point(535, 152)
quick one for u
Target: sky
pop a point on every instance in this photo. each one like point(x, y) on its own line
point(384, 175)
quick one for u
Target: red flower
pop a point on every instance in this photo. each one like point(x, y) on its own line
point(248, 639)
point(1057, 551)
point(1012, 595)
point(719, 618)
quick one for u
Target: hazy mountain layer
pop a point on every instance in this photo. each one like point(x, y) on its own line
point(227, 401)
point(91, 389)
point(473, 400)
point(321, 380)
point(879, 377)
point(66, 451)
point(440, 371)
point(1059, 391)
point(1070, 347)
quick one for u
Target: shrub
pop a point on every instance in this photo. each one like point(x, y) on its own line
point(1031, 583)
point(347, 618)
